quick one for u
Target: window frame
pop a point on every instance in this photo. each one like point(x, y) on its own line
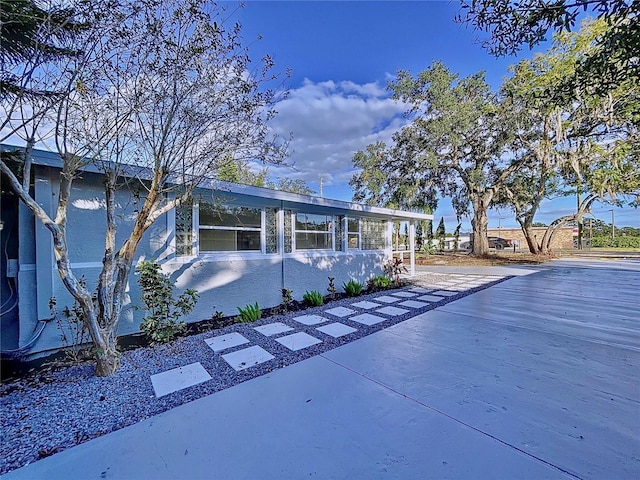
point(261, 230)
point(330, 231)
point(358, 233)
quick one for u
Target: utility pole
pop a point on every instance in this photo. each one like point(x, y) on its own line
point(321, 185)
point(613, 224)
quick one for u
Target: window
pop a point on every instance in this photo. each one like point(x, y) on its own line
point(313, 231)
point(373, 234)
point(353, 234)
point(228, 229)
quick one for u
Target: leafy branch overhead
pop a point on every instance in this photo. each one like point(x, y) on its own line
point(613, 59)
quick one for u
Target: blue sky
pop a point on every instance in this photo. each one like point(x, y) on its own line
point(342, 54)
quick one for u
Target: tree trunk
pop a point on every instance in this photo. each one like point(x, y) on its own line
point(531, 239)
point(479, 225)
point(107, 359)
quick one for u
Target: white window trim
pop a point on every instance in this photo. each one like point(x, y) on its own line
point(331, 231)
point(231, 253)
point(359, 233)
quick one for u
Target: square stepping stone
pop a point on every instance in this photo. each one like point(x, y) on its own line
point(366, 305)
point(413, 304)
point(222, 342)
point(404, 294)
point(310, 319)
point(340, 311)
point(247, 357)
point(273, 329)
point(387, 299)
point(178, 378)
point(298, 341)
point(444, 293)
point(419, 290)
point(337, 329)
point(393, 311)
point(367, 319)
point(429, 298)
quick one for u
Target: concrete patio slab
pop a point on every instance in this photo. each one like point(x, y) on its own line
point(413, 304)
point(419, 290)
point(367, 319)
point(444, 293)
point(298, 341)
point(340, 311)
point(247, 357)
point(387, 299)
point(404, 294)
point(222, 342)
point(178, 378)
point(430, 298)
point(366, 304)
point(310, 319)
point(337, 329)
point(393, 311)
point(273, 329)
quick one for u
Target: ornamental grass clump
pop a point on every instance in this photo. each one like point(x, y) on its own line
point(313, 298)
point(249, 313)
point(352, 288)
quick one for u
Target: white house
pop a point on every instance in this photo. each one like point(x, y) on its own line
point(235, 245)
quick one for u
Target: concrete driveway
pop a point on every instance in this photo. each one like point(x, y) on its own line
point(537, 377)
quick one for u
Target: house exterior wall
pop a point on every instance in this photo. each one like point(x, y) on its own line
point(224, 281)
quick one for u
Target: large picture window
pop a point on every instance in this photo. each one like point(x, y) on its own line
point(229, 229)
point(313, 231)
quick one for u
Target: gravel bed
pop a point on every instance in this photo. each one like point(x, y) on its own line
point(51, 411)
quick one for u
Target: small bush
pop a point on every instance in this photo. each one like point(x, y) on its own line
point(353, 288)
point(250, 313)
point(394, 268)
point(332, 288)
point(379, 283)
point(161, 324)
point(287, 300)
point(313, 298)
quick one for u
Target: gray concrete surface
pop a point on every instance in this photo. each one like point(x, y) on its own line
point(534, 378)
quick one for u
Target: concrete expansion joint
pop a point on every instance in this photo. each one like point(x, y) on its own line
point(457, 420)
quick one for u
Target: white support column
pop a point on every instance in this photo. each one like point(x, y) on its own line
point(281, 231)
point(412, 247)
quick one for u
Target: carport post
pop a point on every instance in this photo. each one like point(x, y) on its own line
point(412, 247)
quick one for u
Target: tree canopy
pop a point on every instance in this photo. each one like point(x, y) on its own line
point(510, 25)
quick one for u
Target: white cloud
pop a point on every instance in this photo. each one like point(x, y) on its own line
point(331, 121)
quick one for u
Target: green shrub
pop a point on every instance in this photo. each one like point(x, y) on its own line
point(617, 242)
point(250, 313)
point(287, 299)
point(332, 288)
point(380, 282)
point(161, 325)
point(313, 298)
point(353, 288)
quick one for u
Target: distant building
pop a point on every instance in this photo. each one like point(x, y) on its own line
point(563, 239)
